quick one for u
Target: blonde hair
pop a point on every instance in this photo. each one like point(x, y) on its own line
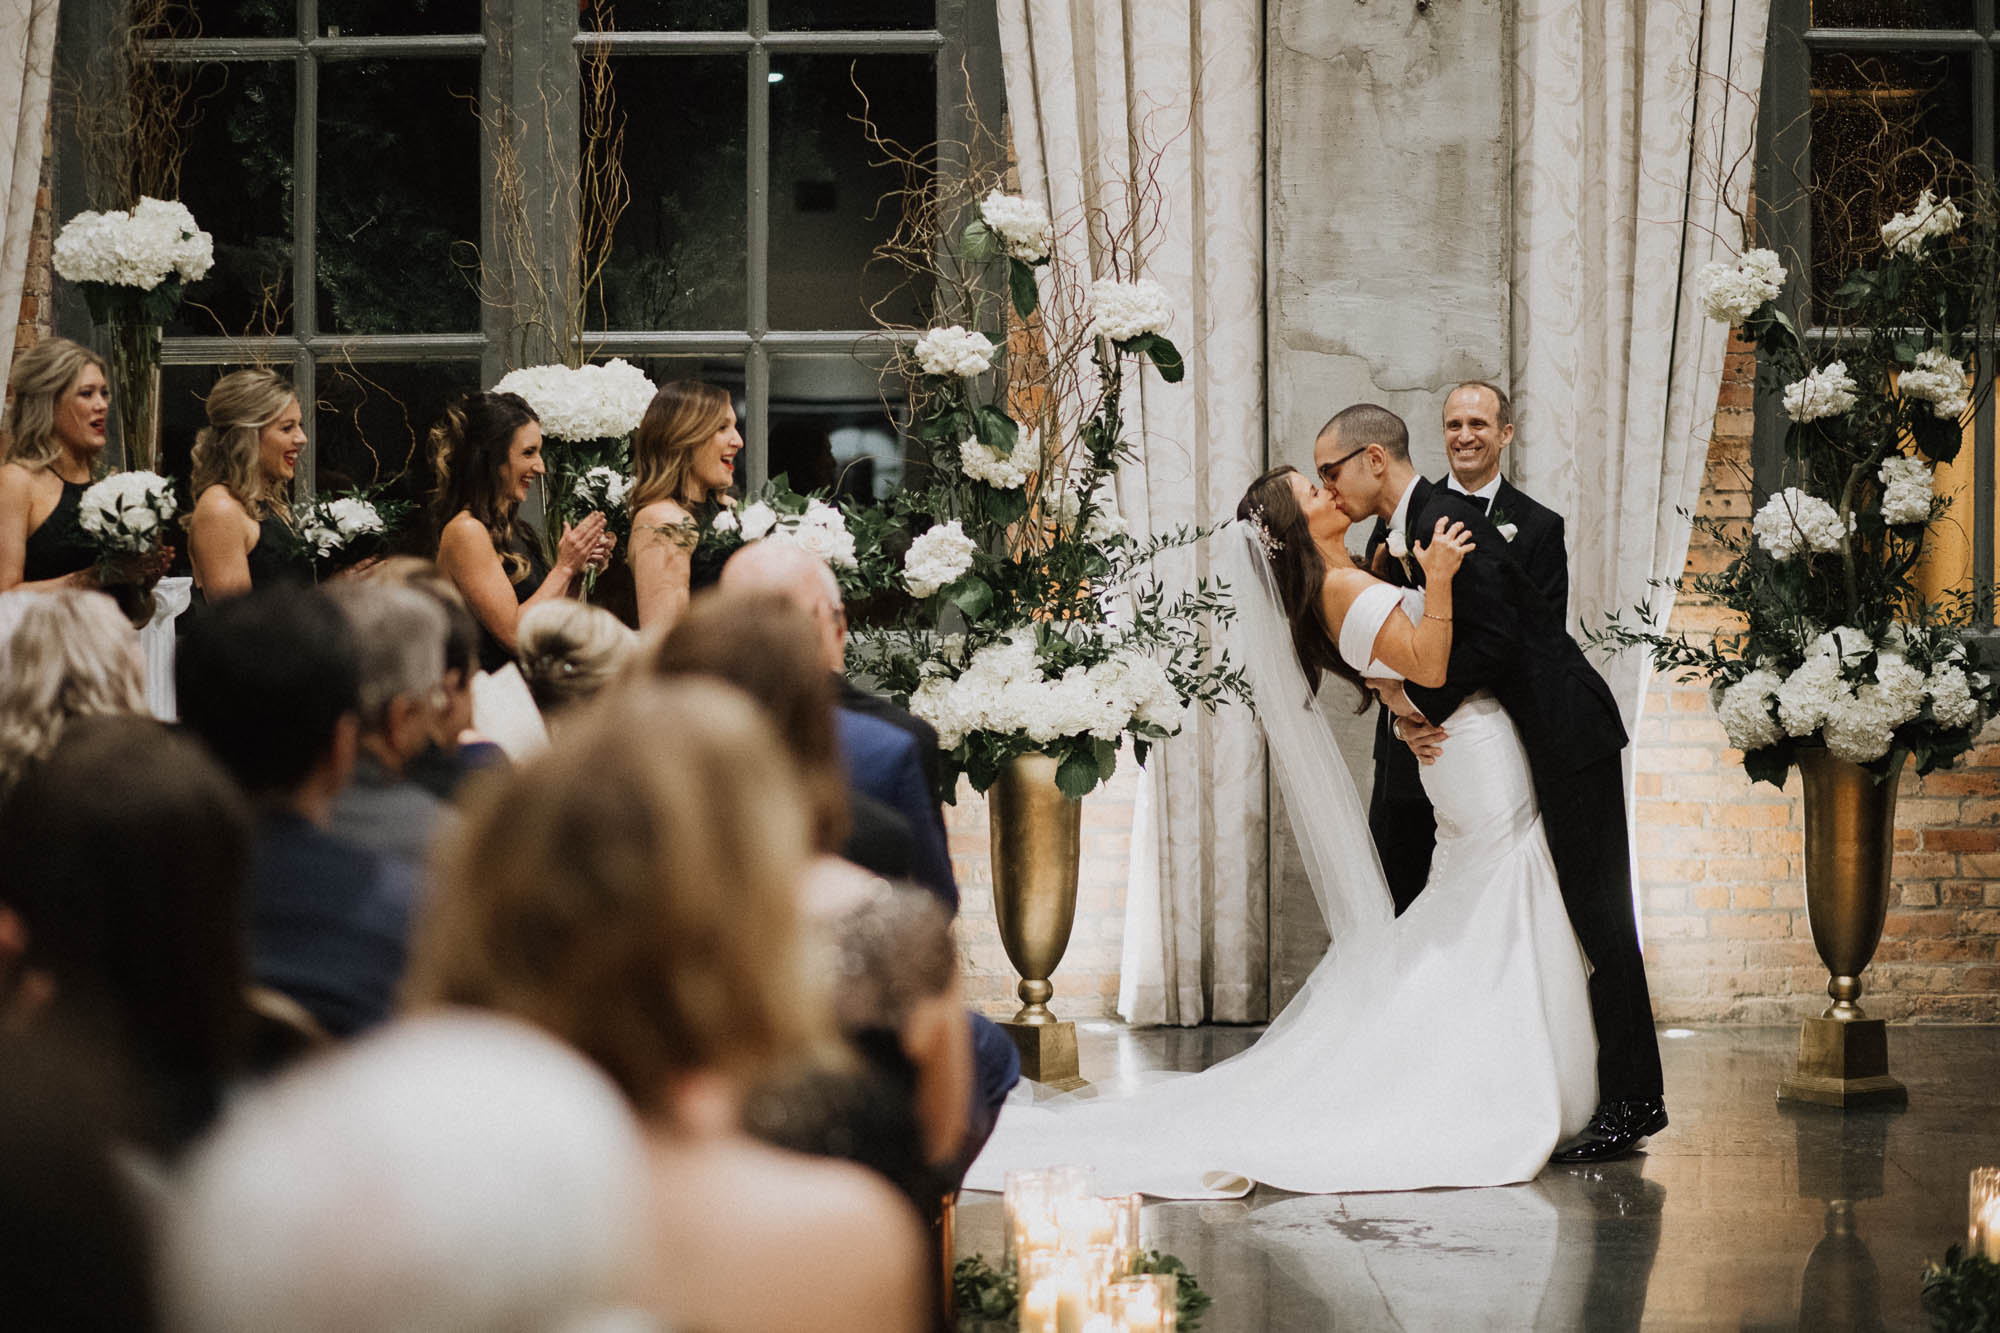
point(71, 654)
point(42, 376)
point(682, 417)
point(226, 450)
point(633, 890)
point(569, 650)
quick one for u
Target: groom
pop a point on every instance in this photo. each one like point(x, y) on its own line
point(1508, 639)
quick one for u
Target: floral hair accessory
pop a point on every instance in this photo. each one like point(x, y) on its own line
point(1270, 544)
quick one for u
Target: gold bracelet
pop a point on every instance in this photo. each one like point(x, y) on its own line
point(1429, 616)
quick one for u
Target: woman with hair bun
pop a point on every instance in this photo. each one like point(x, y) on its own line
point(683, 459)
point(570, 650)
point(487, 453)
point(240, 534)
point(55, 436)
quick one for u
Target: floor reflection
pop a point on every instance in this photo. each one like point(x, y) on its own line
point(1746, 1214)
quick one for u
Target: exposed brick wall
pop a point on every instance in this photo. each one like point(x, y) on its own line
point(1722, 892)
point(1086, 981)
point(36, 318)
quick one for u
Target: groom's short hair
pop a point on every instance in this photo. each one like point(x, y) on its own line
point(1364, 424)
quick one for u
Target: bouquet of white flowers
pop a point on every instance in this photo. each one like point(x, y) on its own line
point(127, 514)
point(339, 531)
point(588, 414)
point(780, 513)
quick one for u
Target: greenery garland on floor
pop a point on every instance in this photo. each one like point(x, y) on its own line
point(985, 1294)
point(1962, 1294)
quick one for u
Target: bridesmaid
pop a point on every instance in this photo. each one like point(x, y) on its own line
point(240, 535)
point(55, 431)
point(683, 460)
point(487, 453)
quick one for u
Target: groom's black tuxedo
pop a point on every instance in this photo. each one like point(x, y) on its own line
point(1509, 639)
point(1399, 813)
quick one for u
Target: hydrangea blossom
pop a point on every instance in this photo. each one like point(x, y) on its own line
point(1952, 701)
point(1906, 490)
point(756, 520)
point(1906, 232)
point(820, 530)
point(1792, 522)
point(1104, 526)
point(1123, 311)
point(1021, 224)
point(330, 526)
point(1745, 709)
point(954, 351)
point(1004, 472)
point(1809, 694)
point(128, 512)
point(1004, 689)
point(1826, 392)
point(1937, 379)
point(594, 402)
point(937, 558)
point(1731, 293)
point(139, 249)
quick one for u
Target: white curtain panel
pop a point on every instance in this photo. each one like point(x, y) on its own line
point(27, 56)
point(1634, 124)
point(1100, 92)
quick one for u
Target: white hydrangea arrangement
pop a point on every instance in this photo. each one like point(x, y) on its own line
point(1732, 293)
point(141, 249)
point(1007, 688)
point(1128, 310)
point(1838, 646)
point(937, 559)
point(583, 403)
point(1007, 472)
point(1022, 225)
point(127, 513)
point(956, 352)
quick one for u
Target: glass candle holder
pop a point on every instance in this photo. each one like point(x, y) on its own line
point(1982, 1226)
point(1125, 1229)
point(1032, 1202)
point(1038, 1278)
point(1148, 1303)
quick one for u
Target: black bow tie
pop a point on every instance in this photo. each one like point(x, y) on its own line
point(1485, 503)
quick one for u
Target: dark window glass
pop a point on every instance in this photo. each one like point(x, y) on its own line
point(230, 18)
point(677, 259)
point(183, 411)
point(828, 211)
point(372, 428)
point(1892, 13)
point(396, 18)
point(399, 183)
point(792, 15)
point(836, 425)
point(1884, 128)
point(237, 181)
point(663, 15)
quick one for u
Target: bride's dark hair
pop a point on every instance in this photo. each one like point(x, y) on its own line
point(1299, 570)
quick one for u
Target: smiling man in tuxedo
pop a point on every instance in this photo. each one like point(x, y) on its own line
point(1478, 424)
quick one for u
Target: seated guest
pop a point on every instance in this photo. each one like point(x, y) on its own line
point(55, 439)
point(487, 453)
point(458, 1173)
point(767, 648)
point(399, 637)
point(121, 912)
point(240, 534)
point(890, 754)
point(455, 751)
point(70, 653)
point(76, 1247)
point(270, 683)
point(569, 650)
point(633, 890)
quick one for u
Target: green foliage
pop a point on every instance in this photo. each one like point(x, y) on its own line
point(1194, 1302)
point(1962, 1294)
point(980, 1291)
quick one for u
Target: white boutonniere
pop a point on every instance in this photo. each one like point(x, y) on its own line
point(1399, 547)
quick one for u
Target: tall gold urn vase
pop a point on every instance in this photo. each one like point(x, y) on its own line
point(1036, 837)
point(1850, 842)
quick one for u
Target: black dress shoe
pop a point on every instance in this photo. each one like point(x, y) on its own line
point(1615, 1131)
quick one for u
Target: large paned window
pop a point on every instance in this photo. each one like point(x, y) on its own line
point(1865, 104)
point(350, 158)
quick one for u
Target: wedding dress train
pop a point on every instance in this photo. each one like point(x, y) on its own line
point(1451, 1046)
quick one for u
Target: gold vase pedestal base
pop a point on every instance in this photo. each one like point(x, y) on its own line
point(1844, 1063)
point(1048, 1051)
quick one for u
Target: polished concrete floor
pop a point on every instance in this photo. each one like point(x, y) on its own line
point(1744, 1215)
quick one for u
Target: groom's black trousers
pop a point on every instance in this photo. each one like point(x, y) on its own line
point(1585, 824)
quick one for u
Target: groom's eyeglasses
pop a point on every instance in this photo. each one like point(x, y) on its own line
point(1329, 472)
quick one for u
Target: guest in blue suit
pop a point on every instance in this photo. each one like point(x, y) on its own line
point(882, 762)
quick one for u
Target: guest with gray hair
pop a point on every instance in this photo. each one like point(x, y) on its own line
point(65, 653)
point(455, 1173)
point(399, 638)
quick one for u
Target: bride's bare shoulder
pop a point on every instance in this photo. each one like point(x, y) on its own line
point(1342, 586)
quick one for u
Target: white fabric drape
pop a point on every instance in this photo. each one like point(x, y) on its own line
point(1633, 127)
point(1094, 89)
point(27, 55)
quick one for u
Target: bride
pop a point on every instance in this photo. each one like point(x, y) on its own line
point(1449, 1046)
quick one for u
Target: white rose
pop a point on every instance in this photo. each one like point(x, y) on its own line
point(1827, 392)
point(1906, 233)
point(757, 519)
point(141, 520)
point(1792, 522)
point(954, 351)
point(725, 521)
point(1123, 311)
point(1937, 379)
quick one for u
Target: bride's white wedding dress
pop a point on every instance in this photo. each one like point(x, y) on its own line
point(1450, 1046)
